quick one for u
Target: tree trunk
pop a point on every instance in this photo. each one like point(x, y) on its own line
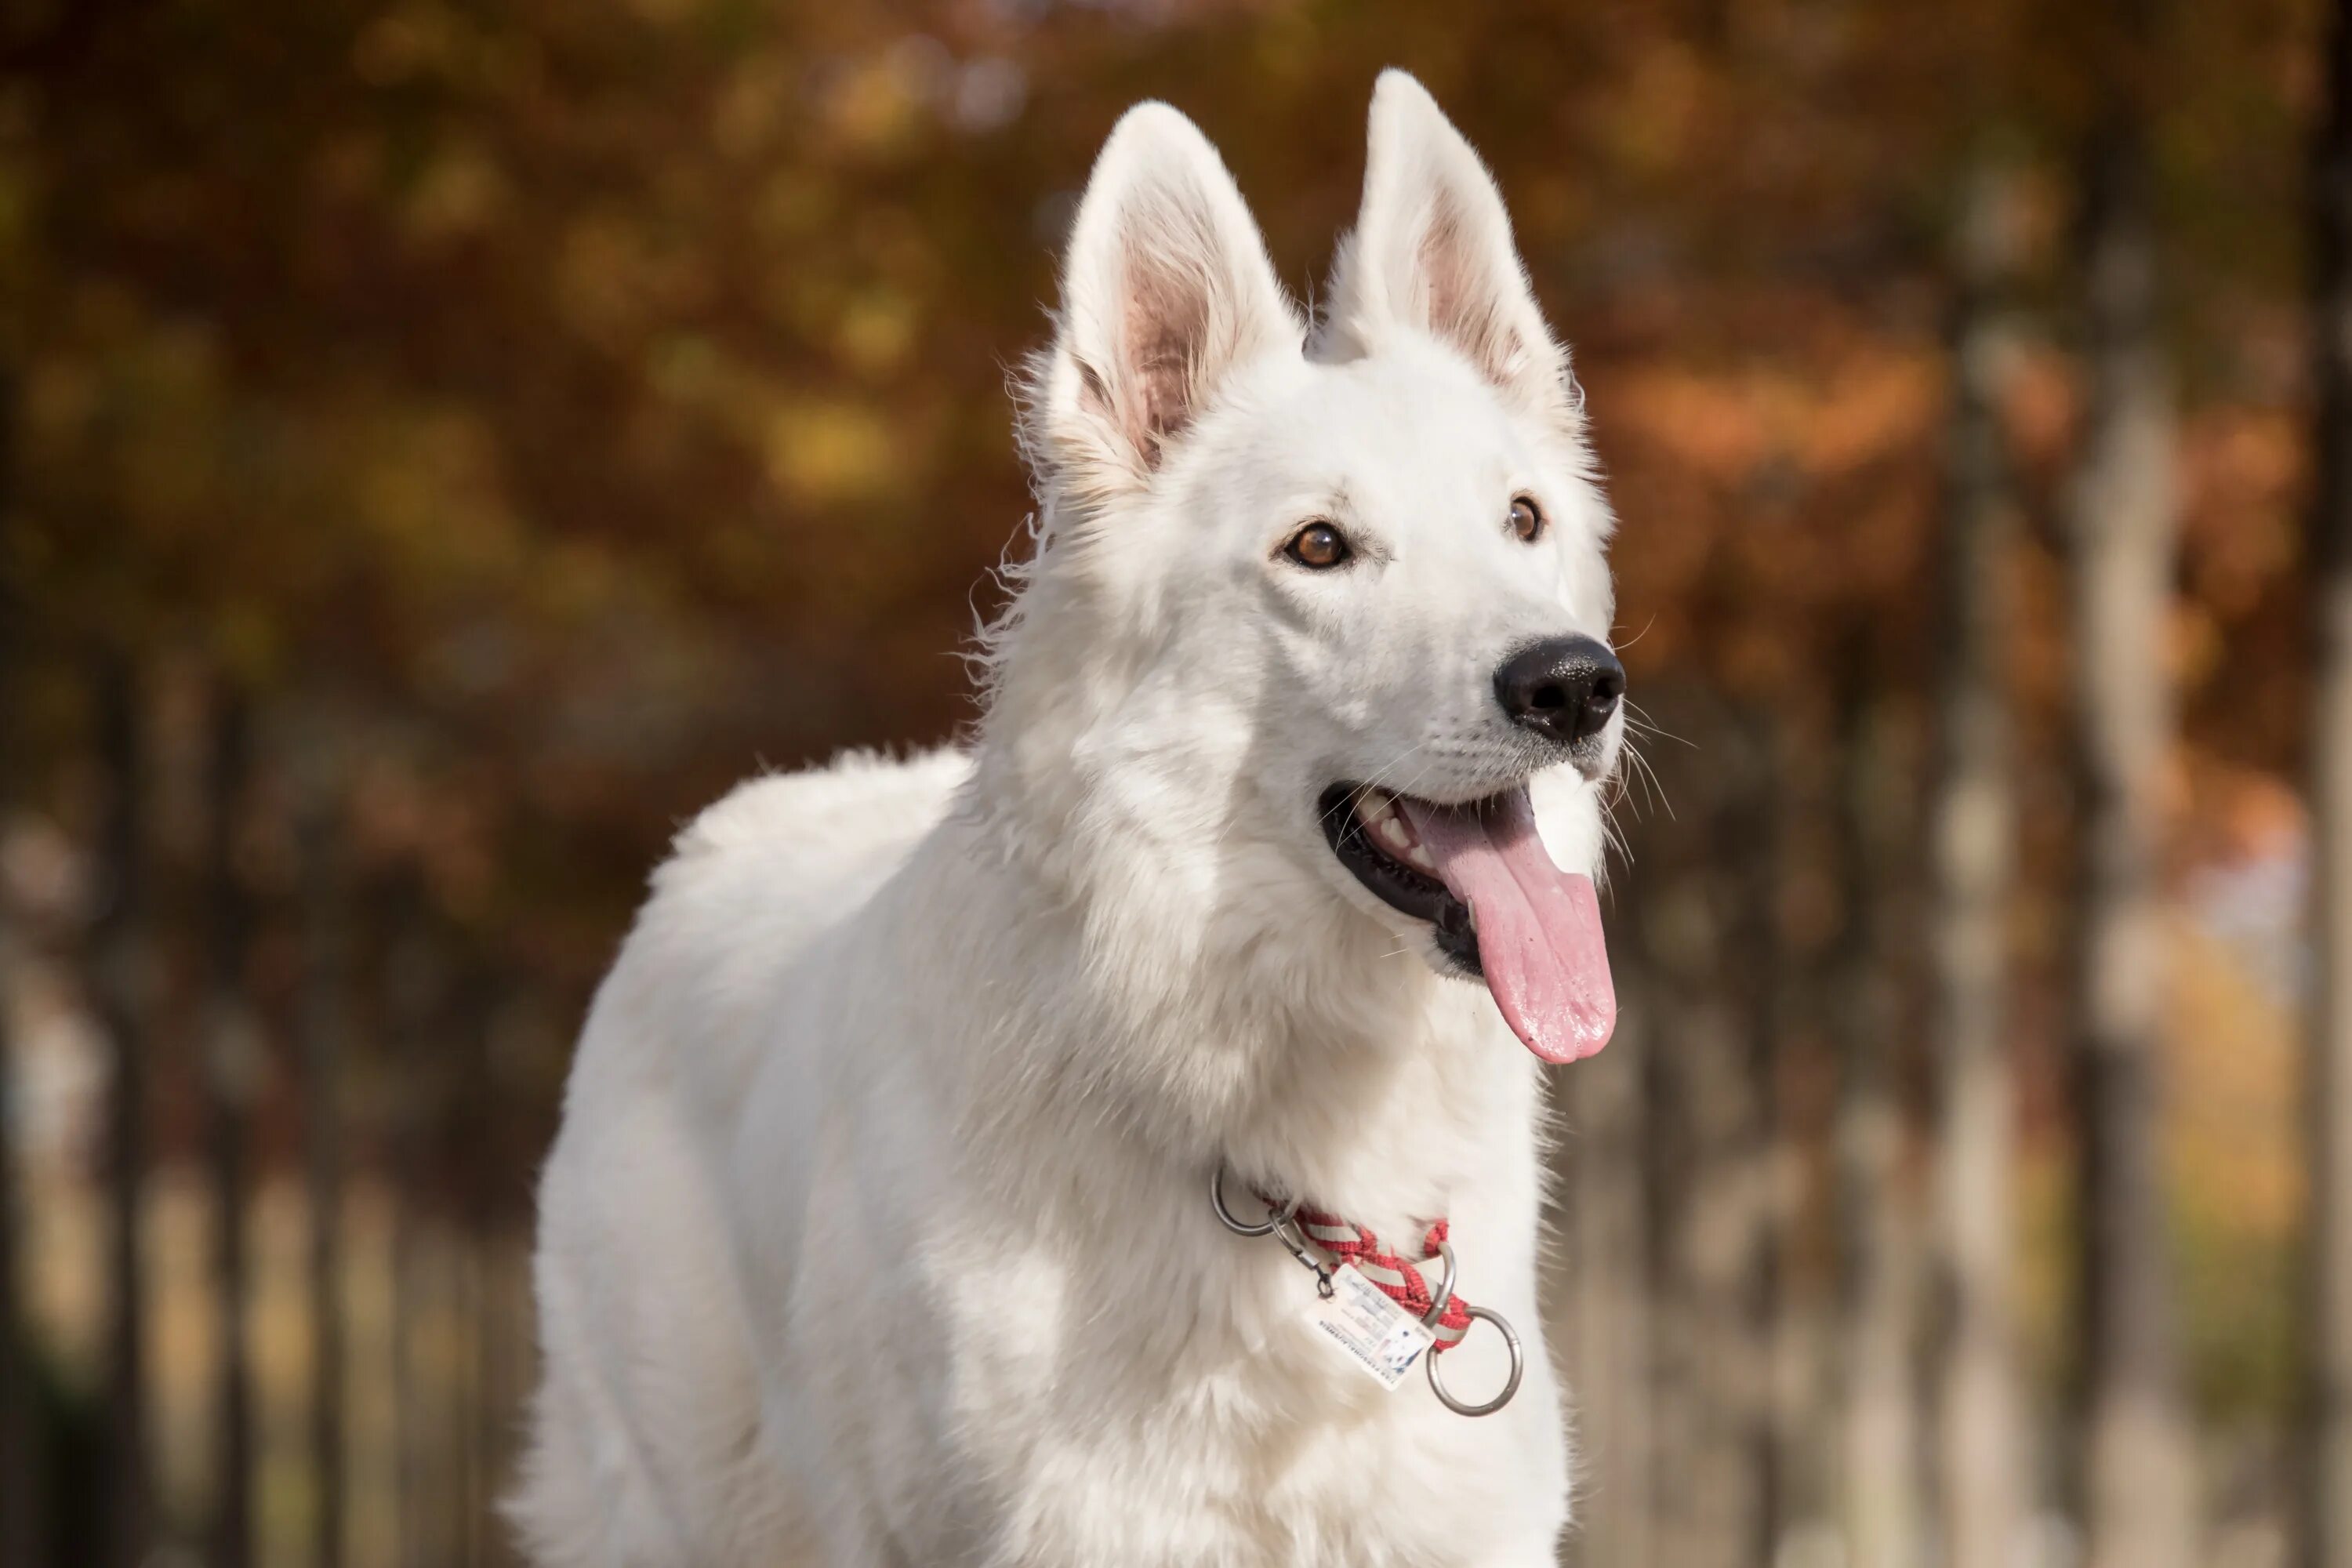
point(1708, 929)
point(471, 1124)
point(233, 1068)
point(1762, 958)
point(1972, 825)
point(415, 988)
point(2326, 1431)
point(2139, 1470)
point(326, 980)
point(19, 1491)
point(1794, 1051)
point(120, 972)
point(1604, 1259)
point(1879, 1464)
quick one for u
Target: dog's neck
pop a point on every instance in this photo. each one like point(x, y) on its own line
point(1163, 1027)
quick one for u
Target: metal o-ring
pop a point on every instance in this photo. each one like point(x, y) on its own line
point(1437, 1303)
point(1510, 1387)
point(1225, 1215)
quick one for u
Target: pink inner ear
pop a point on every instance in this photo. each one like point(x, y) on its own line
point(1463, 307)
point(1167, 320)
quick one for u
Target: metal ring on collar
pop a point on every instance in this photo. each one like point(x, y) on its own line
point(1437, 1303)
point(1225, 1215)
point(1511, 1386)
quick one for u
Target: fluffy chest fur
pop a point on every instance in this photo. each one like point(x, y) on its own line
point(850, 1253)
point(1111, 1375)
point(1032, 1118)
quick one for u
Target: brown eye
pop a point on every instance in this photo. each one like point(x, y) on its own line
point(1318, 546)
point(1526, 519)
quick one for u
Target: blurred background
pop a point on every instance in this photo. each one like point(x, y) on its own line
point(444, 443)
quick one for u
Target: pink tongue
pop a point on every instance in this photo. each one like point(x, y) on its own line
point(1539, 926)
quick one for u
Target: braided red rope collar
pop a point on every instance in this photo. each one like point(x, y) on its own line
point(1399, 1278)
point(1336, 1247)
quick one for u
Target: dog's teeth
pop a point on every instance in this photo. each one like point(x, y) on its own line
point(1420, 857)
point(1393, 829)
point(1376, 803)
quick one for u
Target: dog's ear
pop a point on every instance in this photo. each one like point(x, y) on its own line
point(1166, 288)
point(1432, 252)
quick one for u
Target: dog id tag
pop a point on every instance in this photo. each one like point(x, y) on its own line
point(1377, 1336)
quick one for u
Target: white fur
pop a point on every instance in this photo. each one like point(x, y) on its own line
point(877, 1232)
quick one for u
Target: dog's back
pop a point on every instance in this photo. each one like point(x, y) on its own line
point(651, 1392)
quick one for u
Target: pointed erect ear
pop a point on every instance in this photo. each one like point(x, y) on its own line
point(1432, 252)
point(1165, 290)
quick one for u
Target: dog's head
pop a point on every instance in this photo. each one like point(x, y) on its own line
point(1311, 616)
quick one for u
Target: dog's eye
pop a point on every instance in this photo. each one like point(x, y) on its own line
point(1526, 519)
point(1318, 546)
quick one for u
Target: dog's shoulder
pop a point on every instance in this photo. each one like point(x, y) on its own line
point(843, 813)
point(859, 800)
point(751, 882)
point(782, 854)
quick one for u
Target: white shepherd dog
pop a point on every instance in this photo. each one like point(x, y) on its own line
point(880, 1229)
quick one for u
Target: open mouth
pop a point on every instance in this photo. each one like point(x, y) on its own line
point(1372, 839)
point(1498, 908)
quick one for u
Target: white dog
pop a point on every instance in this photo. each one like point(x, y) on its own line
point(880, 1230)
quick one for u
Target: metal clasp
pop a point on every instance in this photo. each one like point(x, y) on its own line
point(1286, 1231)
point(1278, 1223)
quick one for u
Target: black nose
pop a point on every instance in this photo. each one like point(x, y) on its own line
point(1563, 688)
